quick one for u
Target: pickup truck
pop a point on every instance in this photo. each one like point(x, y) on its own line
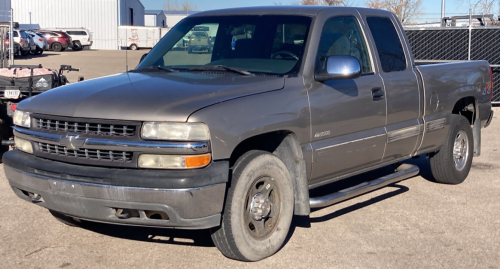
point(289, 100)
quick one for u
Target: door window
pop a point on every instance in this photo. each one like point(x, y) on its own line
point(343, 36)
point(390, 50)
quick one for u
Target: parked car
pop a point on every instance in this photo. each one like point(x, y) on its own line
point(58, 40)
point(26, 43)
point(40, 41)
point(291, 100)
point(199, 42)
point(81, 37)
point(17, 47)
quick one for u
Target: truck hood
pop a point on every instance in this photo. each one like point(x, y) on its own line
point(147, 96)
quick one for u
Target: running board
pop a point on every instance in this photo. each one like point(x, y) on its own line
point(403, 172)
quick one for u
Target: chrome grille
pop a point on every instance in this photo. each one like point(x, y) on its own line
point(87, 128)
point(93, 154)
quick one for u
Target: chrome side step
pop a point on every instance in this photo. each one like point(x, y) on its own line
point(403, 172)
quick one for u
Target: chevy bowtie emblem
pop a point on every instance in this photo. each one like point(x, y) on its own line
point(72, 141)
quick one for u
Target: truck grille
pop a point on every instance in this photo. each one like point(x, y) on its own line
point(93, 154)
point(87, 128)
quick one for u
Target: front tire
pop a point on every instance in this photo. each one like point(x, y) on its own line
point(133, 47)
point(451, 165)
point(258, 210)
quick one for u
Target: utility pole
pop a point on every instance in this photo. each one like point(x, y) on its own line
point(11, 35)
point(443, 23)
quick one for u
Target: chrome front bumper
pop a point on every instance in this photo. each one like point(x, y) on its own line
point(189, 208)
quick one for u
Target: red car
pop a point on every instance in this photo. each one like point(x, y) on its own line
point(58, 40)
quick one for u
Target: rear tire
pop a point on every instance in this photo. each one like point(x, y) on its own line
point(451, 165)
point(258, 209)
point(57, 47)
point(133, 47)
point(38, 51)
point(77, 46)
point(70, 221)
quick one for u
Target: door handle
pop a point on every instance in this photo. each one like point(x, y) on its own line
point(377, 94)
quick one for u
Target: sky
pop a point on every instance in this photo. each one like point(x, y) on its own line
point(431, 8)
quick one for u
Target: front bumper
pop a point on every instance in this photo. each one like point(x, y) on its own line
point(103, 200)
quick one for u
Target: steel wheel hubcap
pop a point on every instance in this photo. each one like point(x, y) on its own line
point(461, 150)
point(262, 208)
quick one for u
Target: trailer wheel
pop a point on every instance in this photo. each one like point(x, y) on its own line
point(4, 135)
point(133, 47)
point(57, 46)
point(258, 210)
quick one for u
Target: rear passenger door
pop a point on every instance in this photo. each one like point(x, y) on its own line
point(348, 122)
point(401, 86)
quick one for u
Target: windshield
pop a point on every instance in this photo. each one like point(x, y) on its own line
point(258, 44)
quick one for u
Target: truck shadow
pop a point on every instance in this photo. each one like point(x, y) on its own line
point(200, 238)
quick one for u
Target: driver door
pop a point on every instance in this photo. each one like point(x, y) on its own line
point(348, 122)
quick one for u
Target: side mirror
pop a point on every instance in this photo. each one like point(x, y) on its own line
point(142, 57)
point(340, 67)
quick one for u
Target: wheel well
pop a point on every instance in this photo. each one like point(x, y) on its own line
point(267, 142)
point(467, 108)
point(285, 145)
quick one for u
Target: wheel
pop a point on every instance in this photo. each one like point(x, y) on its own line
point(24, 53)
point(57, 47)
point(4, 135)
point(452, 163)
point(38, 51)
point(258, 209)
point(133, 47)
point(70, 221)
point(77, 46)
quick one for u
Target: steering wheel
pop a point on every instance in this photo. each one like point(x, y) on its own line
point(285, 52)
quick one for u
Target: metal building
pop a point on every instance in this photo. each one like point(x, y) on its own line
point(4, 10)
point(173, 17)
point(101, 17)
point(155, 18)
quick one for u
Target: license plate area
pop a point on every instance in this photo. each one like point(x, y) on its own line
point(12, 92)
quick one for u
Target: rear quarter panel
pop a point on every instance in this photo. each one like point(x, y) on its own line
point(444, 85)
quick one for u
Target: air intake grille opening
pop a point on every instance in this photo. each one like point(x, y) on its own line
point(86, 128)
point(94, 154)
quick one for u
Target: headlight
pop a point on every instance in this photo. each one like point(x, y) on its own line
point(22, 119)
point(175, 131)
point(23, 145)
point(173, 161)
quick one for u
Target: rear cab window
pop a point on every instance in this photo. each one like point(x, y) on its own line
point(388, 43)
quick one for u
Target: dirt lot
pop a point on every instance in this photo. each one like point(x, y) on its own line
point(413, 224)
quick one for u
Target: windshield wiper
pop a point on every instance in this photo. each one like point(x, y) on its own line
point(221, 67)
point(170, 70)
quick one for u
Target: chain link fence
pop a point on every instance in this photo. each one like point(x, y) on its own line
point(448, 44)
